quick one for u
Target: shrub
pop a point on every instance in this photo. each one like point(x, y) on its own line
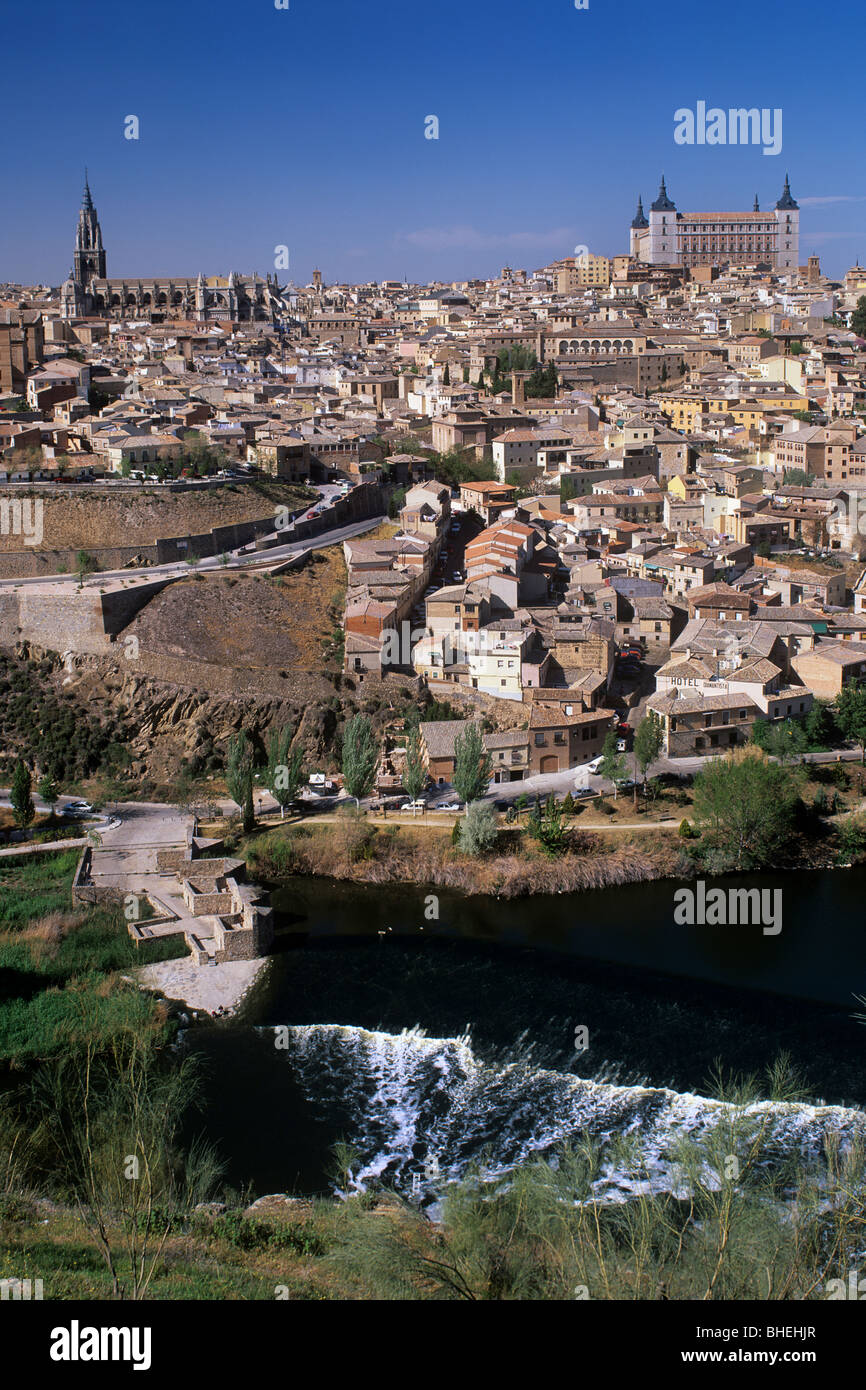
point(477, 830)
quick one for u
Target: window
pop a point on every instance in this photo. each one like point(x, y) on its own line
point(540, 741)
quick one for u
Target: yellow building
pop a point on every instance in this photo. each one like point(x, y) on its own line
point(746, 411)
point(583, 272)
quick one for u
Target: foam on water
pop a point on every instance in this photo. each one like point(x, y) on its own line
point(422, 1109)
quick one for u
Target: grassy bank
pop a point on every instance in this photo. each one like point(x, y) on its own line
point(60, 979)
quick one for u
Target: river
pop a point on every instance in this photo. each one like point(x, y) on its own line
point(427, 1043)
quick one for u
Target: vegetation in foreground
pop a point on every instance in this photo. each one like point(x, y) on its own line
point(745, 1223)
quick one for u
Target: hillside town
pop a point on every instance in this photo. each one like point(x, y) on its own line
point(432, 675)
point(617, 484)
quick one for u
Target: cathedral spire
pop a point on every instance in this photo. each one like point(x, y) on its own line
point(756, 208)
point(89, 254)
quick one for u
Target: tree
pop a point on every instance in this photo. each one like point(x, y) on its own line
point(819, 725)
point(21, 795)
point(797, 477)
point(567, 489)
point(648, 742)
point(360, 757)
point(240, 770)
point(746, 807)
point(415, 771)
point(851, 706)
point(446, 376)
point(477, 830)
point(473, 765)
point(395, 502)
point(858, 318)
point(285, 768)
point(84, 564)
point(783, 739)
point(549, 827)
point(113, 1120)
point(49, 791)
point(852, 839)
point(612, 762)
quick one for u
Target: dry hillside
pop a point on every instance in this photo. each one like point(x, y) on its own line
point(248, 621)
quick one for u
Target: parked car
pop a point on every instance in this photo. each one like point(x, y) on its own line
point(584, 791)
point(450, 806)
point(388, 803)
point(419, 805)
point(457, 577)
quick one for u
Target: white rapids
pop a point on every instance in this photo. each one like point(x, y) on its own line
point(421, 1110)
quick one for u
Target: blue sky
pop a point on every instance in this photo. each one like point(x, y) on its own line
point(305, 127)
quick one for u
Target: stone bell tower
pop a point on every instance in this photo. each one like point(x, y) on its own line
point(89, 258)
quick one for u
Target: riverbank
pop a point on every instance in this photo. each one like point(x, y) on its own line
point(218, 990)
point(358, 852)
